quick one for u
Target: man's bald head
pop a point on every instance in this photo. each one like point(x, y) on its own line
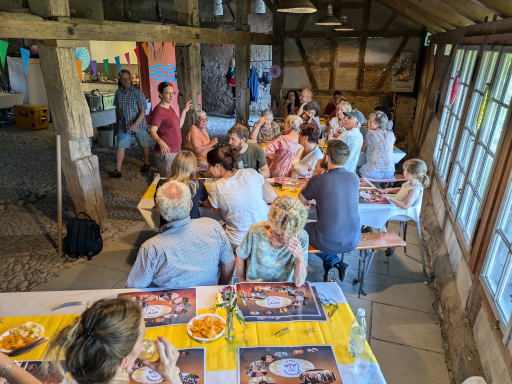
point(306, 96)
point(173, 200)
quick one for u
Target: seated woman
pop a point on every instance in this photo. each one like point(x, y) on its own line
point(265, 129)
point(183, 169)
point(308, 154)
point(100, 346)
point(378, 145)
point(290, 103)
point(336, 124)
point(285, 147)
point(277, 249)
point(311, 113)
point(240, 194)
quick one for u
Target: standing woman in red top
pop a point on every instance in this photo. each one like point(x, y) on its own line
point(165, 128)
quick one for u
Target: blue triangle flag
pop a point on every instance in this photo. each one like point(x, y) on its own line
point(202, 46)
point(25, 55)
point(118, 63)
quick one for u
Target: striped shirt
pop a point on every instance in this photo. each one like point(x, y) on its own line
point(186, 253)
point(129, 104)
point(285, 150)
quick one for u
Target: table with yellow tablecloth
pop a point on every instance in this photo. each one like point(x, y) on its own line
point(221, 356)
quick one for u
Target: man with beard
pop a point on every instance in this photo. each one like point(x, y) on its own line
point(251, 155)
point(335, 191)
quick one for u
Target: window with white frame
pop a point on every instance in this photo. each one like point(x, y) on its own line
point(472, 172)
point(462, 70)
point(497, 272)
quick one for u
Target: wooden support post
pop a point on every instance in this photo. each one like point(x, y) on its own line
point(72, 121)
point(334, 60)
point(277, 59)
point(393, 60)
point(188, 63)
point(362, 50)
point(307, 65)
point(243, 62)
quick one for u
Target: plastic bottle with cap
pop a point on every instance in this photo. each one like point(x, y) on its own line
point(358, 333)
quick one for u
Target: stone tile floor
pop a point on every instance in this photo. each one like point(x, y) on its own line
point(403, 330)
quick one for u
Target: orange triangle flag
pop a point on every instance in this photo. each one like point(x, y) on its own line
point(144, 46)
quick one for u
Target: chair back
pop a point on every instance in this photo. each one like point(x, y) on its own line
point(413, 213)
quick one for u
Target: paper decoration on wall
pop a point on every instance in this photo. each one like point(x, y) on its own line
point(157, 72)
point(220, 46)
point(151, 67)
point(145, 47)
point(3, 51)
point(151, 74)
point(230, 45)
point(173, 45)
point(173, 74)
point(164, 68)
point(81, 53)
point(78, 68)
point(127, 55)
point(202, 46)
point(105, 63)
point(153, 44)
point(402, 68)
point(211, 46)
point(21, 42)
point(136, 50)
point(482, 108)
point(118, 63)
point(25, 56)
point(94, 67)
point(157, 79)
point(455, 89)
point(159, 65)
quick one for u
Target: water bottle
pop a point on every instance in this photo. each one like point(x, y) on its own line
point(331, 134)
point(358, 334)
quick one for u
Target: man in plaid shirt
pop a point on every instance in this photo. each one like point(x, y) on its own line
point(131, 106)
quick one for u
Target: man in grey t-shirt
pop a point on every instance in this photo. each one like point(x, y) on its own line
point(335, 191)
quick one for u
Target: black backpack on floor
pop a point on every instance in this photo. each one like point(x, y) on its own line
point(83, 238)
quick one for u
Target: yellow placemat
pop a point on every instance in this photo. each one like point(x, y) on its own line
point(150, 192)
point(287, 191)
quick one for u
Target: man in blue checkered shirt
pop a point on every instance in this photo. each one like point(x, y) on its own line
point(187, 252)
point(131, 104)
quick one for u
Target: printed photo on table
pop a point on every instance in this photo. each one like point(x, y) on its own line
point(34, 368)
point(371, 196)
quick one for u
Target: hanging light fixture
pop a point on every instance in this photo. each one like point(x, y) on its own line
point(345, 26)
point(296, 6)
point(328, 19)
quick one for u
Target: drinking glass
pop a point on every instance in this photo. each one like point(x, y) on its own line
point(149, 350)
point(295, 180)
point(363, 361)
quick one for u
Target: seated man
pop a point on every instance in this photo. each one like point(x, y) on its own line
point(335, 191)
point(266, 128)
point(276, 250)
point(198, 139)
point(331, 105)
point(250, 154)
point(186, 252)
point(305, 97)
point(352, 137)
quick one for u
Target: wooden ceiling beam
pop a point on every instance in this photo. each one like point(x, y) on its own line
point(345, 5)
point(18, 25)
point(389, 22)
point(502, 8)
point(438, 9)
point(427, 15)
point(307, 64)
point(473, 11)
point(412, 16)
point(370, 33)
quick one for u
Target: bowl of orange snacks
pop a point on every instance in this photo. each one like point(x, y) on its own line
point(20, 336)
point(207, 327)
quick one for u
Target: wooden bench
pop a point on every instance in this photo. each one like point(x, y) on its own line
point(367, 245)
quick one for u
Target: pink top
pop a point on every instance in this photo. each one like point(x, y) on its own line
point(379, 151)
point(285, 150)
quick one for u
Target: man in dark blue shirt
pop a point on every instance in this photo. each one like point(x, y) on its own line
point(335, 191)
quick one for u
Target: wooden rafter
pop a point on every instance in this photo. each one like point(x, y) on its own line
point(307, 65)
point(333, 34)
point(437, 9)
point(389, 22)
point(305, 17)
point(502, 8)
point(469, 9)
point(393, 60)
point(17, 25)
point(333, 62)
point(362, 49)
point(427, 15)
point(412, 16)
point(230, 9)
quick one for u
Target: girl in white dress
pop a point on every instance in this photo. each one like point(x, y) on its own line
point(336, 123)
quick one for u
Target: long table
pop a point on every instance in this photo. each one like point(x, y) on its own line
point(221, 356)
point(372, 215)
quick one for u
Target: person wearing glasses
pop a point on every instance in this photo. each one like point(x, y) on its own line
point(165, 128)
point(131, 106)
point(198, 140)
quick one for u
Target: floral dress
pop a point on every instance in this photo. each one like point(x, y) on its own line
point(379, 152)
point(269, 133)
point(285, 150)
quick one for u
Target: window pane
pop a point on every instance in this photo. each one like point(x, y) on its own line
point(461, 100)
point(502, 114)
point(495, 262)
point(456, 181)
point(485, 75)
point(501, 79)
point(474, 110)
point(475, 166)
point(467, 143)
point(484, 174)
point(488, 122)
point(504, 299)
point(467, 66)
point(505, 220)
point(457, 63)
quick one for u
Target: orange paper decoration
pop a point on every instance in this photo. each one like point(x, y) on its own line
point(144, 46)
point(79, 67)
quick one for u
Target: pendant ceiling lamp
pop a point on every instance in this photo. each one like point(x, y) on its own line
point(345, 26)
point(296, 6)
point(328, 19)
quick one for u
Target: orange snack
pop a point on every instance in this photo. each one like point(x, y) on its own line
point(207, 328)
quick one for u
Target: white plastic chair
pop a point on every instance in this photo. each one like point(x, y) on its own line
point(413, 213)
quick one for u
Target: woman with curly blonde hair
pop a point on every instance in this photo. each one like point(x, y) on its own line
point(276, 250)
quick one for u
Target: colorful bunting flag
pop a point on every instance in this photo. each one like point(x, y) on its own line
point(220, 46)
point(127, 55)
point(136, 50)
point(153, 44)
point(79, 68)
point(3, 51)
point(118, 63)
point(173, 45)
point(25, 56)
point(211, 46)
point(105, 63)
point(94, 67)
point(145, 47)
point(202, 46)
